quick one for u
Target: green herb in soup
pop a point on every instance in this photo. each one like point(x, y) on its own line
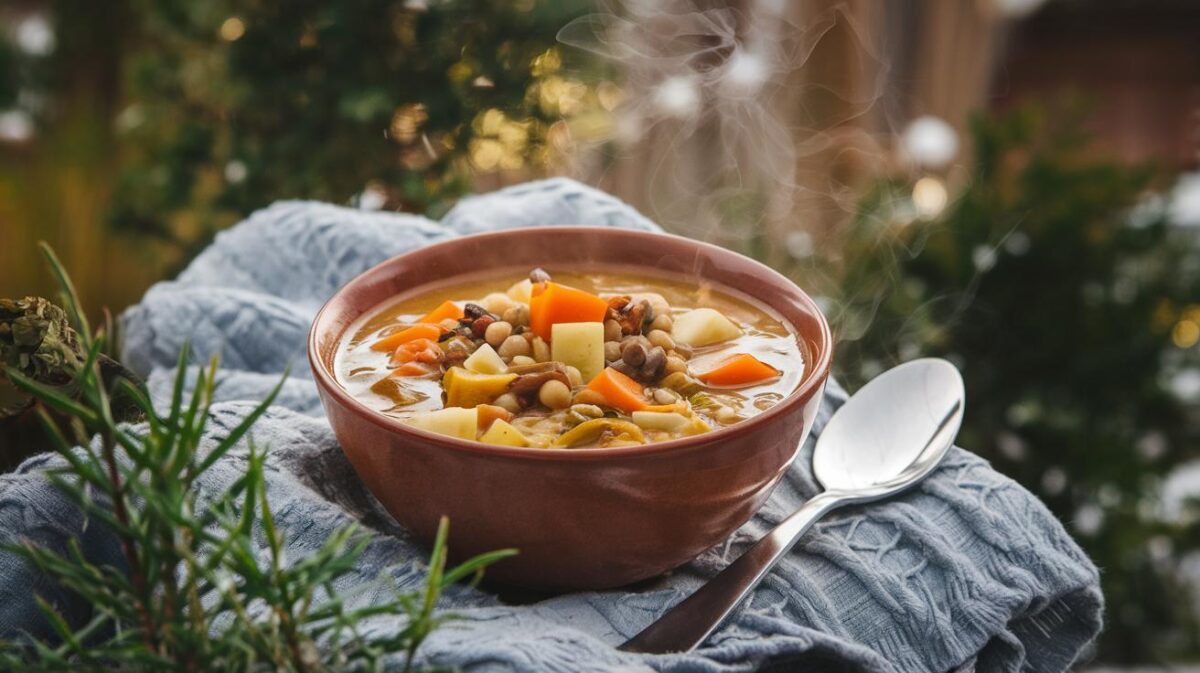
point(574, 361)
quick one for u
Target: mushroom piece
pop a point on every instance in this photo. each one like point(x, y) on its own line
point(531, 377)
point(630, 315)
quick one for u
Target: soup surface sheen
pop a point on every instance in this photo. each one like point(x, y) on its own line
point(412, 382)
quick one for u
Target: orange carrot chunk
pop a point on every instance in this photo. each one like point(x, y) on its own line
point(741, 369)
point(448, 309)
point(554, 303)
point(423, 331)
point(490, 413)
point(620, 391)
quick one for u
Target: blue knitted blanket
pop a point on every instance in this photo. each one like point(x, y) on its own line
point(968, 572)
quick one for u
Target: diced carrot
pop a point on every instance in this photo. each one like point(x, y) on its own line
point(448, 309)
point(620, 391)
point(741, 369)
point(490, 413)
point(414, 369)
point(417, 350)
point(422, 331)
point(555, 303)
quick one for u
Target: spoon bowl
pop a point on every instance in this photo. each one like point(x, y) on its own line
point(886, 438)
point(886, 428)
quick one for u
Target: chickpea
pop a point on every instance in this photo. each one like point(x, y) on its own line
point(555, 394)
point(522, 360)
point(541, 349)
point(612, 330)
point(661, 339)
point(589, 397)
point(518, 314)
point(574, 376)
point(508, 402)
point(662, 321)
point(675, 364)
point(497, 332)
point(612, 351)
point(497, 302)
point(513, 346)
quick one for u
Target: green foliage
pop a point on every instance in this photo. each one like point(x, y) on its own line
point(233, 104)
point(1056, 290)
point(194, 593)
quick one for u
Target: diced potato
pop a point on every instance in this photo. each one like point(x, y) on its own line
point(522, 291)
point(659, 420)
point(703, 326)
point(485, 360)
point(467, 389)
point(504, 434)
point(452, 421)
point(580, 345)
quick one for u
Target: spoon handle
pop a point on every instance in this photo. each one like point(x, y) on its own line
point(685, 626)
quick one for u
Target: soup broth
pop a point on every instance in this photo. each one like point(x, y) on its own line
point(570, 359)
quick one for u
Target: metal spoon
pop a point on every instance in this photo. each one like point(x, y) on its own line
point(889, 436)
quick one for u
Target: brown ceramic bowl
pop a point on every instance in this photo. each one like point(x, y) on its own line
point(581, 518)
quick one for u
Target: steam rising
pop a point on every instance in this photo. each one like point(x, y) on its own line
point(741, 122)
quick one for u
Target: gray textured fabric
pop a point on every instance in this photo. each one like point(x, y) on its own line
point(968, 572)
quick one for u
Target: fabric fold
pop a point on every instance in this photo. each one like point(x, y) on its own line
point(966, 572)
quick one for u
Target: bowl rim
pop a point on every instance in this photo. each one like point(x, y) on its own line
point(811, 384)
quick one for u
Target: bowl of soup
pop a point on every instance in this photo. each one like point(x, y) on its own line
point(609, 402)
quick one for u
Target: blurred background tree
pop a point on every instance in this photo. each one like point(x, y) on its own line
point(1072, 303)
point(134, 130)
point(880, 153)
point(234, 105)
